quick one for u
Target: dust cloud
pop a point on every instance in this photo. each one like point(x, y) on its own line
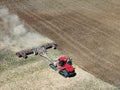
point(15, 34)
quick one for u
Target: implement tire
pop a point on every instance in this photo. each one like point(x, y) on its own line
point(24, 56)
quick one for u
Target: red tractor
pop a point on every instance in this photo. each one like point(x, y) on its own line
point(63, 65)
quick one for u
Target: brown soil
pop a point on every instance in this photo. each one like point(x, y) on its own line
point(87, 30)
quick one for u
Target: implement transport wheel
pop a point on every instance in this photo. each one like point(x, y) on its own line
point(54, 46)
point(35, 52)
point(24, 56)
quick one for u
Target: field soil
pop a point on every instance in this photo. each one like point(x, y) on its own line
point(34, 72)
point(87, 30)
